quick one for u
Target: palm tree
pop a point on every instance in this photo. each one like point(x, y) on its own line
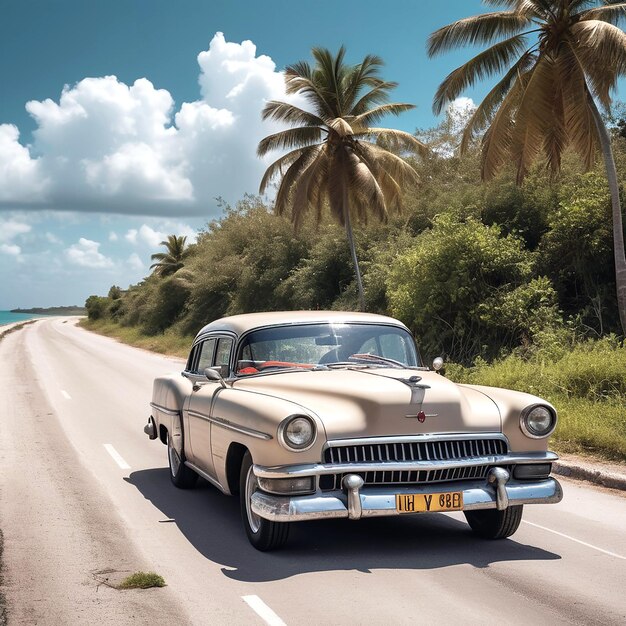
point(555, 59)
point(171, 261)
point(335, 154)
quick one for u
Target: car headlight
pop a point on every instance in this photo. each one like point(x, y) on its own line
point(297, 432)
point(538, 421)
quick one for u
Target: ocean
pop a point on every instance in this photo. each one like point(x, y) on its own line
point(6, 317)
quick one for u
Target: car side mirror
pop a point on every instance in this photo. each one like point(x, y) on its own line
point(214, 376)
point(437, 363)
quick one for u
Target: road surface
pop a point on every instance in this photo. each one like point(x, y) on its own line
point(85, 499)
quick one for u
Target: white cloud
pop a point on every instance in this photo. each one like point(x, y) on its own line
point(113, 236)
point(459, 111)
point(135, 262)
point(150, 236)
point(131, 235)
point(12, 250)
point(109, 147)
point(86, 253)
point(21, 178)
point(153, 237)
point(9, 229)
point(52, 238)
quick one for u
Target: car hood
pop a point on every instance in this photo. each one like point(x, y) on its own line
point(376, 402)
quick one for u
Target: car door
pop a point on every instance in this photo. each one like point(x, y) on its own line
point(214, 353)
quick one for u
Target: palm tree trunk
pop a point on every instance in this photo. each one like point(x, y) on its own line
point(355, 261)
point(618, 229)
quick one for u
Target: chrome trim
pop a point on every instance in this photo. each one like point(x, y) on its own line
point(499, 477)
point(377, 502)
point(150, 428)
point(360, 441)
point(320, 469)
point(524, 414)
point(163, 409)
point(281, 432)
point(352, 484)
point(219, 421)
point(206, 476)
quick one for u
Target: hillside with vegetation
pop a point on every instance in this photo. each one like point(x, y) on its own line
point(512, 284)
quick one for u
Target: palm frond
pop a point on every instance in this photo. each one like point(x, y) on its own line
point(277, 168)
point(363, 75)
point(601, 50)
point(290, 138)
point(497, 139)
point(612, 13)
point(375, 96)
point(290, 114)
point(578, 116)
point(534, 116)
point(398, 140)
point(303, 187)
point(291, 176)
point(377, 113)
point(485, 28)
point(485, 110)
point(337, 189)
point(381, 160)
point(492, 61)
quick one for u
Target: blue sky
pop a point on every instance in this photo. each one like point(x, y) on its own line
point(114, 132)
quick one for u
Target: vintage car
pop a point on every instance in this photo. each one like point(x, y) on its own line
point(316, 415)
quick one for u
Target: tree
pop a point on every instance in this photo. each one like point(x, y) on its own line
point(335, 154)
point(171, 261)
point(558, 57)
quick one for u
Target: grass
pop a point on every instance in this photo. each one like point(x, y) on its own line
point(585, 382)
point(169, 343)
point(142, 580)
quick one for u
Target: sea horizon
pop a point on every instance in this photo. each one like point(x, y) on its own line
point(7, 317)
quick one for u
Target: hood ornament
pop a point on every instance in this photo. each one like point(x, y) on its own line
point(417, 389)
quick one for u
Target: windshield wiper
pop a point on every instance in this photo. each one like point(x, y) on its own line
point(376, 358)
point(324, 366)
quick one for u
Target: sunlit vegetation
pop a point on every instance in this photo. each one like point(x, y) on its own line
point(511, 279)
point(142, 580)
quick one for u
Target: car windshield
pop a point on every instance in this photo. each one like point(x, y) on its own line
point(321, 346)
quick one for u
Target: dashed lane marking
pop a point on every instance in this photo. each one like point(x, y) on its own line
point(65, 394)
point(582, 543)
point(263, 611)
point(115, 455)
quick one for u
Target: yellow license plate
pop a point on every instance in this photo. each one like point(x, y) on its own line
point(428, 502)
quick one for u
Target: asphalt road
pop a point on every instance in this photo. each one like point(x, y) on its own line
point(85, 499)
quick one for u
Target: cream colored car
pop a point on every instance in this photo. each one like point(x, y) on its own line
point(317, 415)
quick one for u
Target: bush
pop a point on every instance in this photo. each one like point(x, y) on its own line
point(97, 307)
point(468, 291)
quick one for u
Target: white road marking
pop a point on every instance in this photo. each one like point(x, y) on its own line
point(116, 456)
point(583, 543)
point(263, 611)
point(65, 394)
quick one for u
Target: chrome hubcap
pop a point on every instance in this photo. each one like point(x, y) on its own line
point(252, 485)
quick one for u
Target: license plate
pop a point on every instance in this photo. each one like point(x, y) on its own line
point(428, 502)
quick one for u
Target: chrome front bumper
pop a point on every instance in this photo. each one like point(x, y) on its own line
point(356, 502)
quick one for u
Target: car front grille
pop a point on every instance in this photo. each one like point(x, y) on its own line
point(440, 450)
point(415, 451)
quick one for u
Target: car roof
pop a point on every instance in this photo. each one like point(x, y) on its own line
point(240, 324)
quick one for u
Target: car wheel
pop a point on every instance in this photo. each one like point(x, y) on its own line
point(182, 476)
point(263, 534)
point(494, 524)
